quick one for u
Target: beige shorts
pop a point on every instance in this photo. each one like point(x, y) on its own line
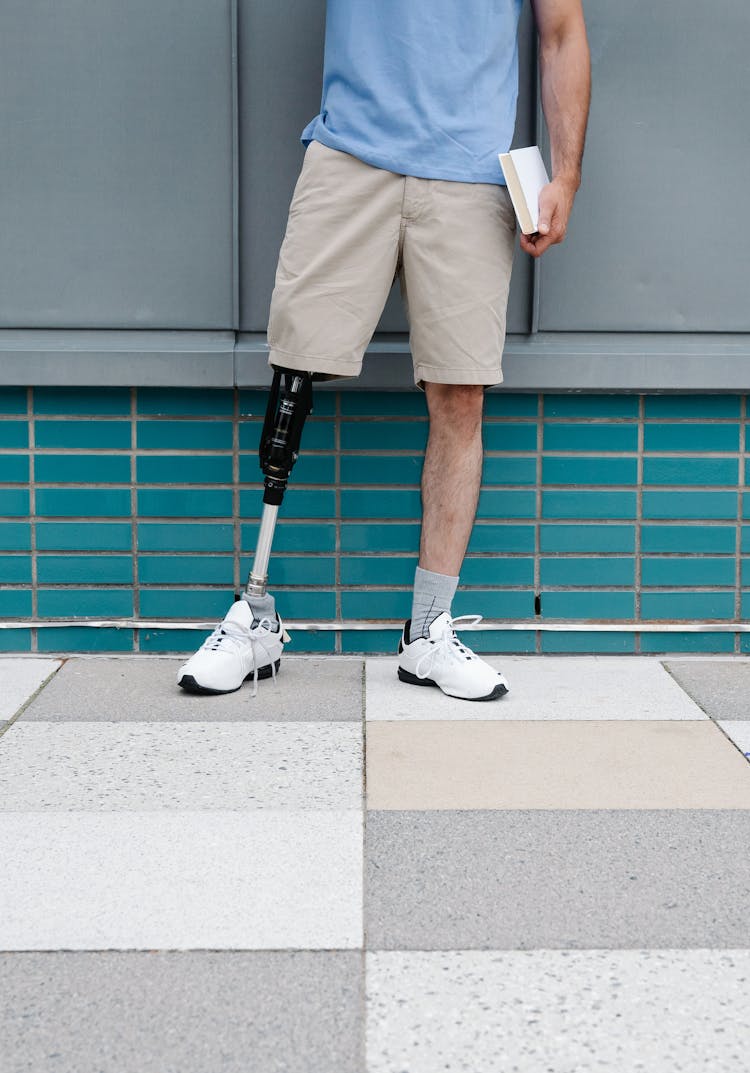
point(352, 229)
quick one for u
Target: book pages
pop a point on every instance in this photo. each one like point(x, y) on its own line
point(532, 175)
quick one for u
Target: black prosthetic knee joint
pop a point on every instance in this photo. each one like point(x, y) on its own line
point(289, 404)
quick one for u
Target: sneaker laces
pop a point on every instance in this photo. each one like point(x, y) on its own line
point(231, 635)
point(446, 646)
point(256, 640)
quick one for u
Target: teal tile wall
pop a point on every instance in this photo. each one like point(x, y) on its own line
point(120, 504)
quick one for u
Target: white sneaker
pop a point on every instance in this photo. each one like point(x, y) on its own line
point(441, 660)
point(235, 651)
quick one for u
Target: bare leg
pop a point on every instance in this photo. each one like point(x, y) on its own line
point(451, 475)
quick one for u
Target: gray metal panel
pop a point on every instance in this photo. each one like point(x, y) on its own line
point(117, 358)
point(280, 48)
point(553, 361)
point(659, 239)
point(116, 164)
point(522, 280)
point(281, 67)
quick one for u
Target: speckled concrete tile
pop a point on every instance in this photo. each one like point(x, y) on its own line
point(553, 765)
point(19, 679)
point(720, 687)
point(192, 1012)
point(536, 879)
point(306, 689)
point(159, 880)
point(150, 766)
point(739, 732)
point(541, 687)
point(671, 1011)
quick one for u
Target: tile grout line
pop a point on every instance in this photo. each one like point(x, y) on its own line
point(637, 637)
point(538, 520)
point(741, 492)
point(134, 513)
point(32, 516)
point(236, 521)
point(338, 640)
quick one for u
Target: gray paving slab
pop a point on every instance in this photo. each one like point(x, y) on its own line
point(557, 879)
point(559, 1011)
point(20, 677)
point(182, 1012)
point(253, 880)
point(720, 687)
point(148, 766)
point(307, 689)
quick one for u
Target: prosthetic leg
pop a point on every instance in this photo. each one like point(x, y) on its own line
point(289, 404)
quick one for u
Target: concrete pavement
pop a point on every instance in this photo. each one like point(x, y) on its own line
point(351, 874)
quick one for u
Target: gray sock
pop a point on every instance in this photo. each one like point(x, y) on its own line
point(261, 606)
point(433, 594)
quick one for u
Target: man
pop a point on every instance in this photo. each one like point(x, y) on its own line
point(401, 178)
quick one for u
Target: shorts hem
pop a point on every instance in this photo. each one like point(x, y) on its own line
point(432, 374)
point(329, 368)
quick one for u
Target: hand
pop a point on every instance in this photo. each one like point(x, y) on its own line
point(555, 205)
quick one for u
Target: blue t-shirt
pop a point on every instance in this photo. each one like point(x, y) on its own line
point(421, 87)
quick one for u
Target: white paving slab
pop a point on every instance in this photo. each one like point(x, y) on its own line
point(19, 680)
point(739, 731)
point(541, 687)
point(563, 1011)
point(144, 766)
point(192, 880)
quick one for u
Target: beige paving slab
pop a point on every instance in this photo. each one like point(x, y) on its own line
point(541, 687)
point(575, 764)
point(19, 679)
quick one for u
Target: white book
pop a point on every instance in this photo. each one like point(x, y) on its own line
point(525, 175)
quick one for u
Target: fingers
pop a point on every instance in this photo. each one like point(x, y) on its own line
point(536, 244)
point(547, 209)
point(551, 226)
point(546, 213)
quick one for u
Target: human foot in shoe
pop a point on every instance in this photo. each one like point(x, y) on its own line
point(442, 660)
point(239, 648)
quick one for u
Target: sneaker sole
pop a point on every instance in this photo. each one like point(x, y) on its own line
point(406, 676)
point(189, 684)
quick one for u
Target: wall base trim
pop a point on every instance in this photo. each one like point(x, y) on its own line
point(360, 625)
point(630, 362)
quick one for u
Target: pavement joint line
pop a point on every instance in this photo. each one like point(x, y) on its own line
point(684, 690)
point(714, 720)
point(732, 742)
point(363, 979)
point(9, 722)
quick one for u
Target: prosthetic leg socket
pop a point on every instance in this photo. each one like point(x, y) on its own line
point(289, 404)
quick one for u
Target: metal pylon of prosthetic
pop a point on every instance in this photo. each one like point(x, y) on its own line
point(289, 404)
